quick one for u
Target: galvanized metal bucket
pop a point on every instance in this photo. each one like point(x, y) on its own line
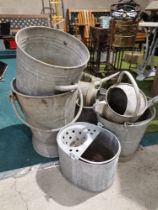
point(129, 134)
point(48, 57)
point(45, 115)
point(88, 155)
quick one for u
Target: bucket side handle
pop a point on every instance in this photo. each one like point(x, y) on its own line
point(152, 102)
point(136, 89)
point(14, 100)
point(66, 87)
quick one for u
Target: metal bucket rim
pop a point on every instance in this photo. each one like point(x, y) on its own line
point(58, 31)
point(59, 142)
point(85, 107)
point(14, 89)
point(153, 113)
point(126, 116)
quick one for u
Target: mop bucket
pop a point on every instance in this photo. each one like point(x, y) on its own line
point(129, 134)
point(47, 57)
point(45, 115)
point(88, 155)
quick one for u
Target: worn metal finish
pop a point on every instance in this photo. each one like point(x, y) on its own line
point(44, 143)
point(129, 115)
point(125, 102)
point(48, 57)
point(129, 134)
point(87, 174)
point(47, 114)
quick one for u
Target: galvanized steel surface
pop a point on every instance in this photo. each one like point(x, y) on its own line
point(126, 96)
point(47, 57)
point(129, 134)
point(46, 113)
point(44, 143)
point(86, 174)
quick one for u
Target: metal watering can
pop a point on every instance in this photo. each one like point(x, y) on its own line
point(125, 102)
point(91, 86)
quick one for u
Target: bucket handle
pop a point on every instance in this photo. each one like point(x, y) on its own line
point(136, 89)
point(152, 102)
point(66, 87)
point(13, 99)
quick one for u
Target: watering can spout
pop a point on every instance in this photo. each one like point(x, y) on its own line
point(100, 82)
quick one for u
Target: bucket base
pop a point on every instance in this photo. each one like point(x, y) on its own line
point(45, 150)
point(127, 158)
point(45, 144)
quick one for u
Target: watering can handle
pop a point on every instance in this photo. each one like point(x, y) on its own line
point(135, 86)
point(100, 82)
point(13, 98)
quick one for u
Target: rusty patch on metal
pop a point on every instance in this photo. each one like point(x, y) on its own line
point(44, 101)
point(65, 43)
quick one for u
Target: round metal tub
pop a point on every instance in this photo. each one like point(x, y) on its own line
point(48, 57)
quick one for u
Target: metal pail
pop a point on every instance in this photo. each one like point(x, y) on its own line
point(88, 155)
point(129, 134)
point(45, 115)
point(48, 57)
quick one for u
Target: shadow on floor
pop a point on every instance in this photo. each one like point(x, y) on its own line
point(56, 187)
point(139, 178)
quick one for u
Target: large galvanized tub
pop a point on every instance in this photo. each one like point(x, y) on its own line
point(48, 57)
point(45, 115)
point(88, 155)
point(129, 134)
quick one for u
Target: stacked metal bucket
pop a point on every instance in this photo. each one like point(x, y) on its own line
point(126, 112)
point(49, 66)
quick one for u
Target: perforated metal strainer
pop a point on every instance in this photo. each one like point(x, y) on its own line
point(76, 138)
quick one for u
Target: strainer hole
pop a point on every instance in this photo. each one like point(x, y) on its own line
point(76, 150)
point(89, 129)
point(70, 150)
point(94, 130)
point(63, 137)
point(70, 137)
point(66, 142)
point(67, 133)
point(91, 133)
point(80, 132)
point(73, 131)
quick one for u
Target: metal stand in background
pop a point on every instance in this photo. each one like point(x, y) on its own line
point(150, 28)
point(122, 39)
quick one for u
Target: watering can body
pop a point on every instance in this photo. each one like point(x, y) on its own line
point(125, 102)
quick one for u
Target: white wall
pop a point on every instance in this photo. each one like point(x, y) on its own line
point(20, 6)
point(90, 4)
point(35, 6)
